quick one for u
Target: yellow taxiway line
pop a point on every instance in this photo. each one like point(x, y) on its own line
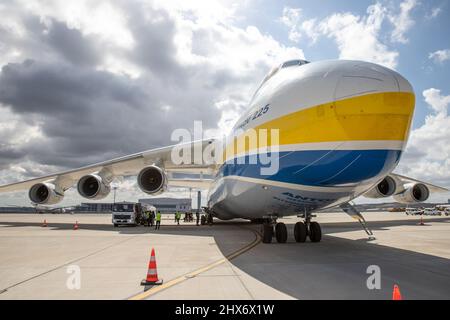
point(171, 283)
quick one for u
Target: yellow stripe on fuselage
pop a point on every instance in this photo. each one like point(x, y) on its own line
point(378, 116)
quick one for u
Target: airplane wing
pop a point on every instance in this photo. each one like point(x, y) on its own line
point(430, 186)
point(131, 165)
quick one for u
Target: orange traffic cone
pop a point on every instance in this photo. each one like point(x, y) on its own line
point(75, 227)
point(44, 224)
point(396, 295)
point(152, 273)
point(421, 221)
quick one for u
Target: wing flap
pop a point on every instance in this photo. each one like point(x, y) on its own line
point(430, 186)
point(191, 183)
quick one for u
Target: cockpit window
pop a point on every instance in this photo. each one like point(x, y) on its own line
point(287, 64)
point(292, 63)
point(272, 72)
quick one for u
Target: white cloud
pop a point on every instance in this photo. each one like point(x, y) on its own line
point(440, 56)
point(403, 21)
point(428, 153)
point(434, 13)
point(291, 18)
point(100, 18)
point(357, 37)
point(436, 101)
point(215, 65)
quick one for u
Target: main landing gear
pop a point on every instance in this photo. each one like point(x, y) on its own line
point(206, 219)
point(307, 228)
point(302, 230)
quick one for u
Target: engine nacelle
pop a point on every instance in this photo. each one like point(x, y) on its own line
point(383, 189)
point(93, 187)
point(152, 180)
point(45, 193)
point(414, 193)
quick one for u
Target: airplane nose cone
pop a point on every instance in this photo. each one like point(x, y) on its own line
point(360, 78)
point(373, 103)
point(403, 84)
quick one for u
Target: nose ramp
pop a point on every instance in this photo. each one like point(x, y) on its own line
point(373, 103)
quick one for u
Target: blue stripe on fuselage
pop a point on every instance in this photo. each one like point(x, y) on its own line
point(318, 167)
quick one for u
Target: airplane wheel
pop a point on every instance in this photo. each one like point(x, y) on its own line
point(115, 225)
point(267, 233)
point(300, 232)
point(210, 219)
point(203, 220)
point(315, 232)
point(281, 232)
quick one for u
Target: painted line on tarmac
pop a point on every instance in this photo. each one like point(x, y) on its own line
point(155, 289)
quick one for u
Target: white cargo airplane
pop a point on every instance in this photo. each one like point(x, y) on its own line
point(342, 125)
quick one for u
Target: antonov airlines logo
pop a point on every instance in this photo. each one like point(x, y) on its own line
point(258, 147)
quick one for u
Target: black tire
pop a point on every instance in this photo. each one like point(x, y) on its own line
point(281, 232)
point(300, 232)
point(267, 233)
point(210, 219)
point(115, 225)
point(203, 220)
point(315, 232)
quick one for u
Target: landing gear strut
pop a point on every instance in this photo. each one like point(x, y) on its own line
point(209, 219)
point(355, 214)
point(206, 219)
point(307, 228)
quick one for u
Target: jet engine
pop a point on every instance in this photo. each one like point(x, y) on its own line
point(152, 180)
point(93, 186)
point(383, 189)
point(414, 193)
point(45, 193)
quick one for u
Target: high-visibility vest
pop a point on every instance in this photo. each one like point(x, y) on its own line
point(158, 216)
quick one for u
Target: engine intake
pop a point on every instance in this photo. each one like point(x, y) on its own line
point(414, 193)
point(45, 193)
point(92, 186)
point(152, 180)
point(383, 189)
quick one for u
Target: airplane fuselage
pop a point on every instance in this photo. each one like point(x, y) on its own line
point(343, 126)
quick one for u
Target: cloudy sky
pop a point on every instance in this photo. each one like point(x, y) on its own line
point(85, 81)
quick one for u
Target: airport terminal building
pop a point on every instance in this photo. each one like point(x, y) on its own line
point(169, 205)
point(165, 205)
point(93, 207)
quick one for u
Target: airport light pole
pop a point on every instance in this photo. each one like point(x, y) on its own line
point(115, 189)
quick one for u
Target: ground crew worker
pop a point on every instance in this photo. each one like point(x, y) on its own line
point(158, 220)
point(147, 217)
point(178, 217)
point(152, 218)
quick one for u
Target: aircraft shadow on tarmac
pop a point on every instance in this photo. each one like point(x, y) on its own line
point(335, 268)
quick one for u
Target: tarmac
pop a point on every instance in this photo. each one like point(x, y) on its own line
point(223, 261)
